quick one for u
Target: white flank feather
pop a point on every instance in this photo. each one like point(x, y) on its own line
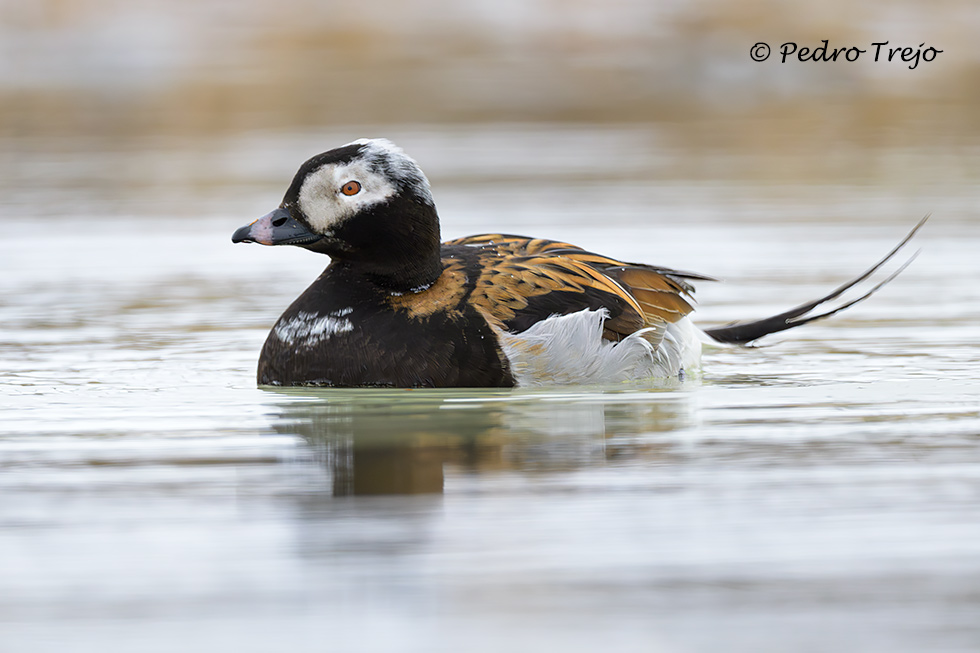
point(569, 349)
point(310, 329)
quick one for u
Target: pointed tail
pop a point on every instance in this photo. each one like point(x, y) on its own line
point(740, 333)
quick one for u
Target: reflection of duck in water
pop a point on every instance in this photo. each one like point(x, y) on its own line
point(386, 442)
point(398, 308)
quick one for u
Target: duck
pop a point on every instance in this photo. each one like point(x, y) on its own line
point(398, 307)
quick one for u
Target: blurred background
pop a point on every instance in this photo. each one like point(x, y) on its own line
point(155, 76)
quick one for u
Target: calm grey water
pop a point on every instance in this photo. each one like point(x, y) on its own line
point(820, 493)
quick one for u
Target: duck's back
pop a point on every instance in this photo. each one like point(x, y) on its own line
point(565, 315)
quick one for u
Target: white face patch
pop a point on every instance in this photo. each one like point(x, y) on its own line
point(310, 329)
point(381, 168)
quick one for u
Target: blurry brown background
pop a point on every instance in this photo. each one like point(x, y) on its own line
point(116, 69)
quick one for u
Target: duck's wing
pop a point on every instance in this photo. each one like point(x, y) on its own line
point(522, 281)
point(511, 245)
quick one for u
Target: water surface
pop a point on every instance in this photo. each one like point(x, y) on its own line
point(821, 492)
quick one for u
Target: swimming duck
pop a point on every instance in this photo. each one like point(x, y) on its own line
point(398, 307)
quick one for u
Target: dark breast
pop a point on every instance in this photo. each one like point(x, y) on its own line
point(345, 331)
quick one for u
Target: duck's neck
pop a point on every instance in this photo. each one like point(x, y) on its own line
point(395, 246)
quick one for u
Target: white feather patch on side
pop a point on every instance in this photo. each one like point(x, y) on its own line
point(680, 350)
point(310, 329)
point(569, 349)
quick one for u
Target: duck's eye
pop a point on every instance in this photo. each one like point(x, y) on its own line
point(351, 188)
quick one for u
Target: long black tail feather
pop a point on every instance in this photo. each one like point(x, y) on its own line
point(740, 333)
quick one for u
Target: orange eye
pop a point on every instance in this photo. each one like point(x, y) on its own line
point(350, 188)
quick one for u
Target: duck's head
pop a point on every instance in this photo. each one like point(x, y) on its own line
point(367, 204)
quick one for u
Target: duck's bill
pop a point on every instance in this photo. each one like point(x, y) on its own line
point(275, 228)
